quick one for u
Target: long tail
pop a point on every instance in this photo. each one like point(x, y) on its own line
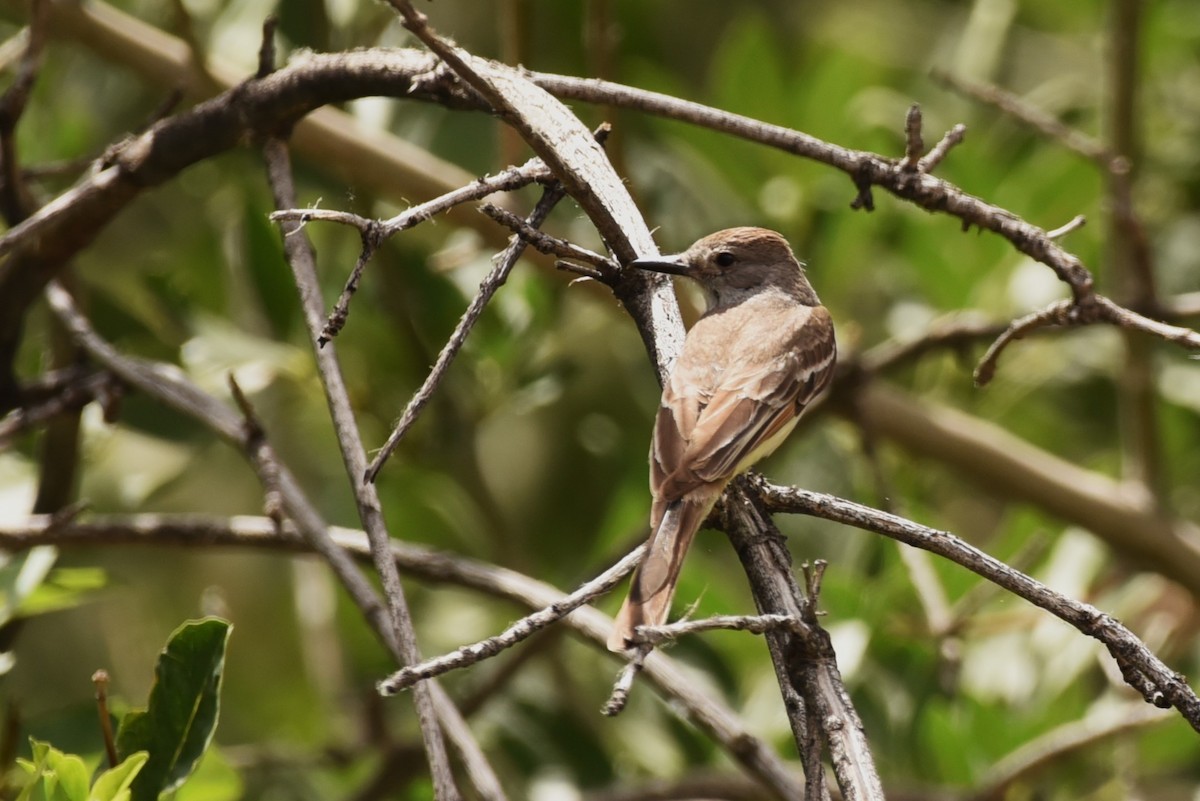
point(653, 586)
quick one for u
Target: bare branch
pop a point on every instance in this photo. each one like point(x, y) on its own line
point(301, 259)
point(818, 706)
point(707, 713)
point(521, 630)
point(255, 440)
point(1058, 313)
point(266, 51)
point(375, 232)
point(865, 169)
point(1076, 222)
point(981, 451)
point(1098, 309)
point(606, 270)
point(623, 686)
point(1012, 105)
point(487, 288)
point(957, 333)
point(953, 137)
point(1062, 741)
point(1142, 670)
point(754, 624)
point(14, 202)
point(79, 389)
point(914, 145)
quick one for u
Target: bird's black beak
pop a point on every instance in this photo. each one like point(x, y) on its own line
point(672, 265)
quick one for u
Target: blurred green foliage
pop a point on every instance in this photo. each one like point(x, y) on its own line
point(533, 452)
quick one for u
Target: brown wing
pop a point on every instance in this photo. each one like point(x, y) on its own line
point(717, 419)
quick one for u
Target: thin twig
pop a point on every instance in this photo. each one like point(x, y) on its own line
point(1142, 670)
point(1057, 313)
point(708, 713)
point(754, 624)
point(1012, 105)
point(1099, 309)
point(254, 437)
point(619, 697)
point(302, 260)
point(487, 288)
point(934, 157)
point(605, 270)
point(100, 682)
point(14, 202)
point(1075, 223)
point(266, 50)
point(336, 321)
point(914, 145)
point(958, 333)
point(83, 388)
point(375, 232)
point(517, 632)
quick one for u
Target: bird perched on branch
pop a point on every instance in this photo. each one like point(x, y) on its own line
point(763, 350)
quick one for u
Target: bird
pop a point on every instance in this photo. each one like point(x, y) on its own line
point(750, 365)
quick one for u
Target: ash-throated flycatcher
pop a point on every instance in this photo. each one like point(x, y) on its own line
point(759, 355)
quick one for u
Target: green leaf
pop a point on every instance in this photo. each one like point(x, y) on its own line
point(64, 588)
point(214, 780)
point(178, 724)
point(61, 777)
point(113, 784)
point(20, 575)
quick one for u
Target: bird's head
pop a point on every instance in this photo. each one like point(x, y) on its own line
point(737, 263)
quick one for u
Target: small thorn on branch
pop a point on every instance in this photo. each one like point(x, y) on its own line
point(266, 51)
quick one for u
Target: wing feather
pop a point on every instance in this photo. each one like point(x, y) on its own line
point(717, 418)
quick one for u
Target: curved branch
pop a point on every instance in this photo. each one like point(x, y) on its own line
point(1142, 670)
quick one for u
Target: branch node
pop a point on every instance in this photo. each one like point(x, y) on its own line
point(372, 236)
point(864, 199)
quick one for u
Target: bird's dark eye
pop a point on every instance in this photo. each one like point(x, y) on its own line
point(725, 259)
